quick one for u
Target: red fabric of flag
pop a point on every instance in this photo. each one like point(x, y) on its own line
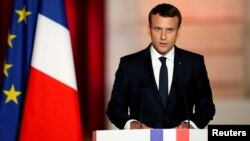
point(51, 111)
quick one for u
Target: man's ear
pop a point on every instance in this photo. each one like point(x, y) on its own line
point(179, 32)
point(149, 30)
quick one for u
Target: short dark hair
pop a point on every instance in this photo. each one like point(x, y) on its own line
point(165, 10)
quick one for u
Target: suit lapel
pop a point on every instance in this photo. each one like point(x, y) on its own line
point(178, 64)
point(150, 74)
point(178, 68)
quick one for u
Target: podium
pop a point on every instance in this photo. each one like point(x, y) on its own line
point(151, 135)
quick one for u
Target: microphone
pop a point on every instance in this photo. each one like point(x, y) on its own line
point(142, 95)
point(186, 101)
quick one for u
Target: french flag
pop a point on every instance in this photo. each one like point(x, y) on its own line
point(151, 135)
point(51, 110)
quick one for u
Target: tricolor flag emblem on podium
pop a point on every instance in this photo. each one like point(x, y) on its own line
point(151, 135)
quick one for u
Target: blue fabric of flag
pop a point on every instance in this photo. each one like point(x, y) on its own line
point(156, 135)
point(16, 67)
point(49, 6)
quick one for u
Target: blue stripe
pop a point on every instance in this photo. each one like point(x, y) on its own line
point(48, 8)
point(156, 135)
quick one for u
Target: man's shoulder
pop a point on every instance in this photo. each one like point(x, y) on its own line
point(187, 53)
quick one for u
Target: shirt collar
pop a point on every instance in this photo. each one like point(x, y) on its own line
point(155, 55)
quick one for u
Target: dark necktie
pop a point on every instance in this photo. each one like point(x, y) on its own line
point(163, 83)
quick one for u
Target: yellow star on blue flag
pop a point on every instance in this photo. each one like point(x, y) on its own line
point(10, 38)
point(11, 94)
point(23, 14)
point(6, 67)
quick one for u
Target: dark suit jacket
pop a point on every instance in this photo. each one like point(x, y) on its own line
point(135, 94)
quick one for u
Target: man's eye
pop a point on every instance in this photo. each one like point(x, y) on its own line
point(157, 29)
point(170, 30)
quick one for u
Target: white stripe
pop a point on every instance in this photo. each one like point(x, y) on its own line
point(52, 53)
point(123, 135)
point(198, 135)
point(169, 135)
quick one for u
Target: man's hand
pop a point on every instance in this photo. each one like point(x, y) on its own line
point(138, 125)
point(185, 125)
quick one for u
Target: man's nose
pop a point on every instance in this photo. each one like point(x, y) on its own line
point(163, 35)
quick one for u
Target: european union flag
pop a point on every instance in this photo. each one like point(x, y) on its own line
point(16, 67)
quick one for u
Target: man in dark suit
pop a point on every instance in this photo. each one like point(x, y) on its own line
point(162, 86)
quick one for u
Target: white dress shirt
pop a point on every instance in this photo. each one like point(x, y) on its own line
point(157, 65)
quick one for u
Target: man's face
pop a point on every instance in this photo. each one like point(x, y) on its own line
point(164, 32)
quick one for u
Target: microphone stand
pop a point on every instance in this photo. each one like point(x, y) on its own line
point(186, 106)
point(141, 108)
point(186, 103)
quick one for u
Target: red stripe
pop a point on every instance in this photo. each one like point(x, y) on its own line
point(182, 134)
point(51, 110)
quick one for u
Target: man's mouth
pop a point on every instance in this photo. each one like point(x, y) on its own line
point(163, 44)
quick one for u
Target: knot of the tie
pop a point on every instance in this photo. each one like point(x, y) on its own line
point(163, 60)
